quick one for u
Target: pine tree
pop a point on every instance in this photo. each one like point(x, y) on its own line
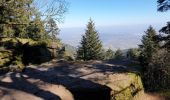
point(36, 30)
point(118, 54)
point(91, 46)
point(82, 50)
point(109, 54)
point(165, 36)
point(149, 49)
point(149, 46)
point(52, 29)
point(19, 18)
point(133, 53)
point(14, 17)
point(163, 5)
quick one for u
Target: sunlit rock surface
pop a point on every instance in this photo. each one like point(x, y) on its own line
point(62, 80)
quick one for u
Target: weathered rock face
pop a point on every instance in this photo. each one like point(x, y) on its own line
point(17, 86)
point(17, 52)
point(72, 81)
point(125, 86)
point(12, 94)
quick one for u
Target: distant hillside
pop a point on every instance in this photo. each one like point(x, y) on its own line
point(123, 37)
point(71, 50)
point(110, 38)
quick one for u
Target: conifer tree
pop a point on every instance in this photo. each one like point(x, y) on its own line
point(163, 5)
point(165, 36)
point(118, 54)
point(133, 54)
point(155, 60)
point(82, 50)
point(36, 30)
point(149, 46)
point(52, 29)
point(149, 49)
point(20, 18)
point(91, 46)
point(109, 54)
point(14, 17)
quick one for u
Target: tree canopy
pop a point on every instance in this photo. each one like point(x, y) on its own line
point(163, 5)
point(15, 16)
point(25, 18)
point(149, 46)
point(27, 30)
point(54, 9)
point(165, 36)
point(118, 54)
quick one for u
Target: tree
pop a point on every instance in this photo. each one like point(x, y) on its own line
point(82, 50)
point(133, 53)
point(109, 54)
point(149, 46)
point(164, 37)
point(157, 65)
point(14, 17)
point(91, 46)
point(52, 29)
point(118, 54)
point(23, 18)
point(54, 9)
point(158, 71)
point(163, 5)
point(36, 30)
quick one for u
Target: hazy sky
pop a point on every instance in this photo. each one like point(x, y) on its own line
point(113, 12)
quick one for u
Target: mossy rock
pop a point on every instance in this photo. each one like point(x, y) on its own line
point(124, 95)
point(126, 89)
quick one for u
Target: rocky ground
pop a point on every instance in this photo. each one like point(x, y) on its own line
point(62, 80)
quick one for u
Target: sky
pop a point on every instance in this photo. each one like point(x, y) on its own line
point(120, 23)
point(113, 12)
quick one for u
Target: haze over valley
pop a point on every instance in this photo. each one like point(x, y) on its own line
point(114, 37)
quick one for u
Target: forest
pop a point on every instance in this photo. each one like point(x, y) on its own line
point(36, 65)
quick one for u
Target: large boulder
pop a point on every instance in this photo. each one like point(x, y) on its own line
point(15, 53)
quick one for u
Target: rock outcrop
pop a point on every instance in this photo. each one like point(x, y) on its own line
point(63, 80)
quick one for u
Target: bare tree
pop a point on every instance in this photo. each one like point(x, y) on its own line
point(51, 9)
